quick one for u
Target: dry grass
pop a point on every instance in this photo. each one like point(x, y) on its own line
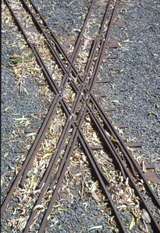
point(78, 180)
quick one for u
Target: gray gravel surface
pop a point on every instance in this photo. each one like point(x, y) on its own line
point(64, 17)
point(133, 90)
point(82, 216)
point(29, 105)
point(133, 75)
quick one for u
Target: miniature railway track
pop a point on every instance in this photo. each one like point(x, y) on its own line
point(88, 104)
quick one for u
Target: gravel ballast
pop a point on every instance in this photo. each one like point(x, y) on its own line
point(130, 96)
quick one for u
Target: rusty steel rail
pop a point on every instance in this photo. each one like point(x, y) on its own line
point(63, 68)
point(60, 174)
point(106, 140)
point(136, 170)
point(63, 165)
point(133, 184)
point(44, 187)
point(60, 63)
point(53, 105)
point(39, 27)
point(100, 129)
point(34, 50)
point(128, 159)
point(96, 68)
point(92, 83)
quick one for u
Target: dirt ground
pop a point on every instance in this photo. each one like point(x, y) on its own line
point(130, 97)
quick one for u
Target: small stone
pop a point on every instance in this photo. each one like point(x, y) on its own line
point(145, 216)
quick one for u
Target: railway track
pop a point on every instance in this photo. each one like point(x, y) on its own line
point(84, 104)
